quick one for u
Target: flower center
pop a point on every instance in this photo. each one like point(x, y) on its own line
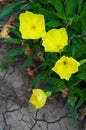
point(65, 62)
point(33, 27)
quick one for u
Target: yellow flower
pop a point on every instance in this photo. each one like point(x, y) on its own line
point(38, 98)
point(55, 40)
point(65, 67)
point(32, 26)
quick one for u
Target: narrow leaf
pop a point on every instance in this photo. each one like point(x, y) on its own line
point(40, 77)
point(82, 61)
point(82, 75)
point(8, 9)
point(27, 62)
point(73, 112)
point(53, 23)
point(54, 81)
point(48, 14)
point(15, 52)
point(71, 98)
point(80, 97)
point(53, 89)
point(13, 40)
point(59, 8)
point(15, 31)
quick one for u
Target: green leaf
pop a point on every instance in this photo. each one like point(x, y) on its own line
point(27, 62)
point(3, 64)
point(59, 8)
point(51, 58)
point(54, 81)
point(84, 94)
point(9, 9)
point(80, 96)
point(78, 48)
point(53, 23)
point(15, 31)
point(80, 2)
point(40, 77)
point(82, 61)
point(36, 48)
point(13, 40)
point(83, 22)
point(11, 59)
point(54, 85)
point(48, 14)
point(53, 89)
point(16, 52)
point(75, 91)
point(73, 112)
point(82, 76)
point(82, 68)
point(83, 13)
point(71, 98)
point(71, 6)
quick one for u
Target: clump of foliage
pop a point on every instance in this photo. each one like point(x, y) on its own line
point(52, 32)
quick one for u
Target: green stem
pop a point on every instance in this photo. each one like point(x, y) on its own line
point(75, 83)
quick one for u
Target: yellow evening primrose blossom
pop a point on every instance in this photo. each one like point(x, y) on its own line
point(55, 40)
point(32, 26)
point(65, 67)
point(38, 98)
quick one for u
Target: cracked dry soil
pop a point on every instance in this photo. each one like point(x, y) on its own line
point(17, 114)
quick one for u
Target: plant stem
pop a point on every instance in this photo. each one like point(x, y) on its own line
point(75, 83)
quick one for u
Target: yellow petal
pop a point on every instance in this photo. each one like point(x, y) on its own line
point(74, 65)
point(55, 40)
point(65, 67)
point(32, 26)
point(38, 98)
